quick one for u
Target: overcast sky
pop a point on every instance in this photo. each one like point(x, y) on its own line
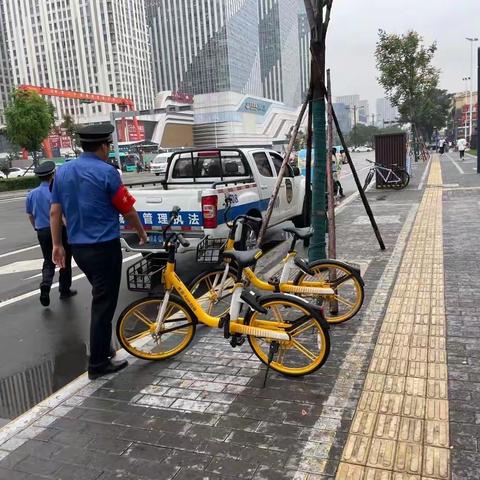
point(353, 34)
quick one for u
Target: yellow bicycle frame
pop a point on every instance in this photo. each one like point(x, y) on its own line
point(287, 287)
point(267, 329)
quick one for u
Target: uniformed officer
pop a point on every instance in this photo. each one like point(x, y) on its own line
point(90, 193)
point(38, 211)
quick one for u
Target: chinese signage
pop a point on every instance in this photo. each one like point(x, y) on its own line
point(59, 139)
point(252, 105)
point(133, 135)
point(160, 219)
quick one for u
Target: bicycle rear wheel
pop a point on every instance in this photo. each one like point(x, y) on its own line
point(404, 179)
point(309, 344)
point(136, 328)
point(343, 280)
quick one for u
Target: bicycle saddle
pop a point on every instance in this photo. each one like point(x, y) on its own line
point(243, 259)
point(301, 233)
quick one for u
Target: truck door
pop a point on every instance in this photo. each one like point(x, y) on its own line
point(287, 191)
point(266, 183)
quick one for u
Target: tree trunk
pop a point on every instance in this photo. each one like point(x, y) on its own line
point(317, 249)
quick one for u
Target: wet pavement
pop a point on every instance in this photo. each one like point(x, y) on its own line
point(42, 349)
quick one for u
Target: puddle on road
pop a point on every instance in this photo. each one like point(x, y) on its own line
point(23, 390)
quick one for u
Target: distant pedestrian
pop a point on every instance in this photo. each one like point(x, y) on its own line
point(336, 169)
point(462, 146)
point(38, 211)
point(90, 193)
point(442, 147)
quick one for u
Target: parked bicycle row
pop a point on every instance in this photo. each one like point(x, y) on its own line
point(286, 322)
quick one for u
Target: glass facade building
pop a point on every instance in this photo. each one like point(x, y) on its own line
point(245, 46)
point(94, 46)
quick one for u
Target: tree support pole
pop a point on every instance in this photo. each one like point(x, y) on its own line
point(281, 173)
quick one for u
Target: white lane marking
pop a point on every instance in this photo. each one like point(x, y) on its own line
point(424, 176)
point(2, 238)
point(12, 200)
point(24, 296)
point(456, 165)
point(22, 266)
point(8, 254)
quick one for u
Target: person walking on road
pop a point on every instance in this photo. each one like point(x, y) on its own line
point(336, 169)
point(462, 146)
point(90, 193)
point(38, 211)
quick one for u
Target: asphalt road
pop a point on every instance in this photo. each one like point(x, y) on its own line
point(42, 349)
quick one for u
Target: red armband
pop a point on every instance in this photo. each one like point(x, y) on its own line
point(123, 201)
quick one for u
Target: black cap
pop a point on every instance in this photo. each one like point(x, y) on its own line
point(45, 169)
point(95, 133)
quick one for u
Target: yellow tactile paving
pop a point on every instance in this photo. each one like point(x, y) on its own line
point(400, 430)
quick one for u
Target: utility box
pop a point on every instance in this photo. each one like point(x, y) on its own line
point(391, 151)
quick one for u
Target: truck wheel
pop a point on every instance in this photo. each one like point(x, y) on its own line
point(249, 236)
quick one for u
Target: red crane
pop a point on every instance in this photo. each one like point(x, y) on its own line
point(124, 103)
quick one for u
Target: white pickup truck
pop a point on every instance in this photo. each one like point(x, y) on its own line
point(199, 180)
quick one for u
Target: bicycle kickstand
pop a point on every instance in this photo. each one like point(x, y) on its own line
point(271, 352)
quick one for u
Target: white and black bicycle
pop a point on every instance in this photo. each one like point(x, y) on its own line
point(394, 177)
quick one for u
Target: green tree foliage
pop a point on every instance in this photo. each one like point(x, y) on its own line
point(410, 80)
point(29, 119)
point(365, 134)
point(300, 140)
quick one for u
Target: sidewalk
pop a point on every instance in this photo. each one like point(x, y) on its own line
point(378, 409)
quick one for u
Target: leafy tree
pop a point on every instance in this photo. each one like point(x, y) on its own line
point(300, 140)
point(409, 79)
point(29, 119)
point(68, 124)
point(433, 112)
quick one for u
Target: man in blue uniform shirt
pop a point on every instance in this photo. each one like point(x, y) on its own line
point(38, 211)
point(90, 193)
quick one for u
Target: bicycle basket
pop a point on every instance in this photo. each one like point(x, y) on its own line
point(209, 250)
point(145, 275)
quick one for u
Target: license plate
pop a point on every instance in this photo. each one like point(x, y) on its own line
point(155, 238)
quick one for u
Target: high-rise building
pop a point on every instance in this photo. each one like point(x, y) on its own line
point(304, 42)
point(5, 70)
point(386, 113)
point(245, 46)
point(99, 46)
point(344, 118)
point(359, 109)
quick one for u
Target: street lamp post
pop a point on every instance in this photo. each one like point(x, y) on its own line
point(466, 125)
point(471, 40)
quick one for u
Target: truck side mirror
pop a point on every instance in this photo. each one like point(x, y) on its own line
point(296, 171)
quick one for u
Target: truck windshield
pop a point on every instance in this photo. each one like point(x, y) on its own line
point(209, 165)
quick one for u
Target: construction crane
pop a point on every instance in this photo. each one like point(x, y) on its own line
point(124, 103)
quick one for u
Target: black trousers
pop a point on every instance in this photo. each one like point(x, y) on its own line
point(102, 264)
point(462, 153)
point(48, 270)
point(337, 188)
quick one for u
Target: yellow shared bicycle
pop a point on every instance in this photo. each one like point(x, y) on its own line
point(284, 332)
point(331, 284)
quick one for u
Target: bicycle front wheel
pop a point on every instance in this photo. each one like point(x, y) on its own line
point(404, 179)
point(346, 283)
point(309, 344)
point(368, 179)
point(206, 289)
point(137, 324)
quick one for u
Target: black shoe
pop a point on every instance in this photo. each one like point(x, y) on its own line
point(45, 296)
point(65, 295)
point(111, 367)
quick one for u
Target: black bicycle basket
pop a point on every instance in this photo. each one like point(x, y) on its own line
point(210, 250)
point(146, 274)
